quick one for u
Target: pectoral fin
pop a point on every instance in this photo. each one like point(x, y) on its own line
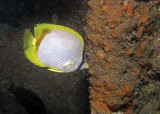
point(84, 66)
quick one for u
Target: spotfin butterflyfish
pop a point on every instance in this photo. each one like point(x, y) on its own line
point(59, 48)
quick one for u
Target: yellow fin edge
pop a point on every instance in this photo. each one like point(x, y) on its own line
point(30, 50)
point(55, 70)
point(41, 28)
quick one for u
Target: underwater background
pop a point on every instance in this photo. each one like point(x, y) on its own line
point(61, 93)
point(122, 46)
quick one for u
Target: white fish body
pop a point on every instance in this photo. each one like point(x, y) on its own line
point(61, 49)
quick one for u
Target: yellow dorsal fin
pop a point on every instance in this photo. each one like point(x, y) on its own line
point(30, 49)
point(40, 30)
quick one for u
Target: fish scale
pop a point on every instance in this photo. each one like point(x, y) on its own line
point(56, 49)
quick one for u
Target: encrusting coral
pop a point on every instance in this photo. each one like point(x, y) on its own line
point(120, 52)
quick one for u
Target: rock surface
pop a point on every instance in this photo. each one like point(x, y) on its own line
point(121, 53)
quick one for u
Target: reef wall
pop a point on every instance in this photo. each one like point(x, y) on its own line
point(120, 51)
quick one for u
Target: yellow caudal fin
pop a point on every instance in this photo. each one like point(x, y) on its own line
point(28, 39)
point(30, 50)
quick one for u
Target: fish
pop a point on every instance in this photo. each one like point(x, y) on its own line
point(56, 47)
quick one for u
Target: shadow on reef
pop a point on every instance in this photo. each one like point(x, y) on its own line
point(21, 101)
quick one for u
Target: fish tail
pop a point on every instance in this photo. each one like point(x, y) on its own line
point(30, 49)
point(28, 39)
